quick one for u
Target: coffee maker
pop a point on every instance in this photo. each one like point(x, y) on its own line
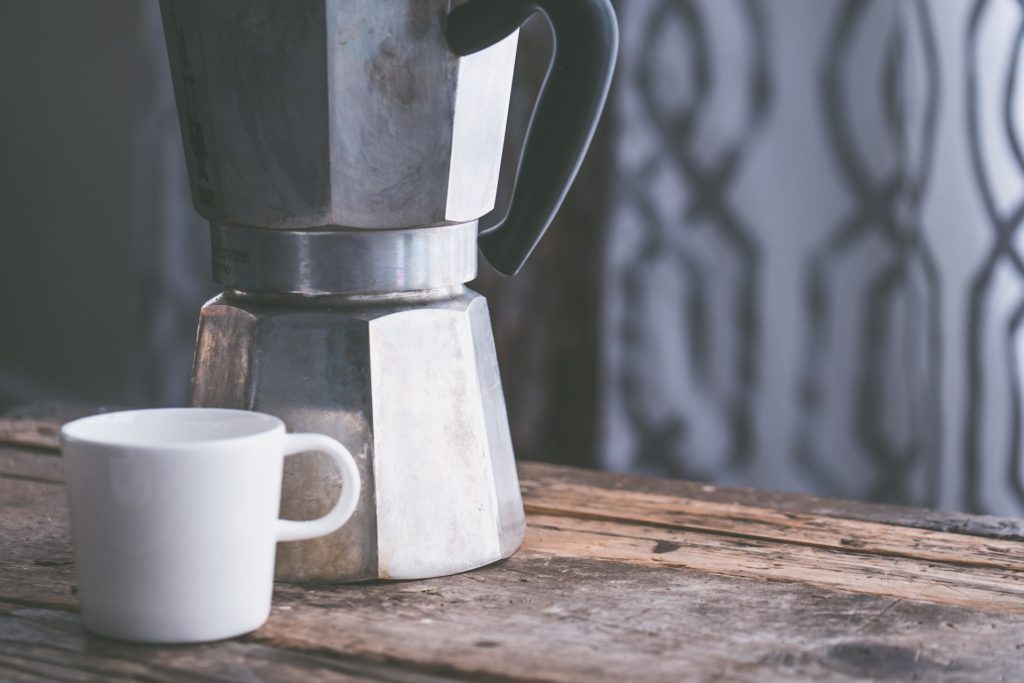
point(343, 152)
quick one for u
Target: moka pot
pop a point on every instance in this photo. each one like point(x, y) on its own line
point(343, 152)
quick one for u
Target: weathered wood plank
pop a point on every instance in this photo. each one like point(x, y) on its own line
point(556, 619)
point(569, 619)
point(751, 524)
point(580, 619)
point(40, 467)
point(539, 474)
point(572, 520)
point(996, 591)
point(742, 521)
point(38, 426)
point(35, 548)
point(619, 579)
point(30, 433)
point(46, 645)
point(767, 524)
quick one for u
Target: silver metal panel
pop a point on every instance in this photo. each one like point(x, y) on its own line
point(508, 498)
point(256, 70)
point(320, 113)
point(312, 371)
point(436, 507)
point(222, 368)
point(391, 103)
point(410, 386)
point(316, 262)
point(481, 111)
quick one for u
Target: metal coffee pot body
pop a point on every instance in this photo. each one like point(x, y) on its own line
point(343, 151)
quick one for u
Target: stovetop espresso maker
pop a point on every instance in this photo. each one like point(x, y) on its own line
point(343, 152)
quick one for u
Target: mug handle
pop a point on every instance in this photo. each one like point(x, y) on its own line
point(290, 530)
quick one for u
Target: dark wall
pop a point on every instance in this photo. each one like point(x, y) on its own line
point(67, 76)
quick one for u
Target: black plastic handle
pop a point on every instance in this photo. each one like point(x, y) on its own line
point(564, 118)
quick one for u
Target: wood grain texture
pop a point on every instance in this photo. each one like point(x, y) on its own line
point(619, 579)
point(37, 425)
point(919, 518)
point(39, 644)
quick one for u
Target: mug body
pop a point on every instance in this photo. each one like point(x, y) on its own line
point(174, 521)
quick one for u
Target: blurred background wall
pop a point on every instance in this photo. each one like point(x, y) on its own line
point(791, 259)
point(103, 263)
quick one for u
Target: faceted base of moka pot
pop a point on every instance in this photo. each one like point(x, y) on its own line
point(411, 386)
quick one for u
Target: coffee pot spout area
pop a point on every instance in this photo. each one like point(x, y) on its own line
point(413, 391)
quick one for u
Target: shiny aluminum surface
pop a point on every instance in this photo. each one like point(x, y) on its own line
point(343, 154)
point(412, 389)
point(318, 262)
point(316, 113)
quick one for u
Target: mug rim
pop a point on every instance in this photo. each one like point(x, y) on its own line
point(259, 425)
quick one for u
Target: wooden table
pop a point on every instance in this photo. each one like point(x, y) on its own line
point(620, 579)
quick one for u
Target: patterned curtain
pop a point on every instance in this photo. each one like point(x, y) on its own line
point(812, 277)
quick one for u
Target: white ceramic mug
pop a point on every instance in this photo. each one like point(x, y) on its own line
point(174, 518)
